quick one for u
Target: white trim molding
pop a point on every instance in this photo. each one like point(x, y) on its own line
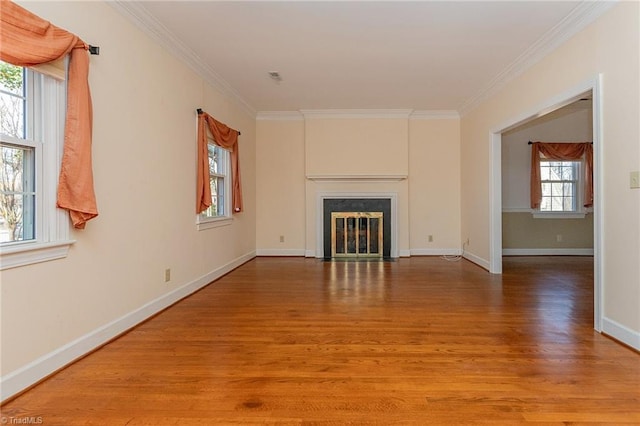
point(141, 18)
point(436, 252)
point(444, 114)
point(357, 178)
point(279, 116)
point(620, 332)
point(356, 113)
point(548, 252)
point(281, 252)
point(13, 257)
point(570, 95)
point(582, 15)
point(483, 263)
point(16, 381)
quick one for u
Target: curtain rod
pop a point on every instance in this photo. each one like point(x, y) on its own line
point(200, 111)
point(94, 50)
point(531, 143)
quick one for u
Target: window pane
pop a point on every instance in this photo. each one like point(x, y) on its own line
point(555, 172)
point(544, 172)
point(12, 100)
point(221, 196)
point(556, 204)
point(568, 189)
point(17, 194)
point(212, 159)
point(556, 189)
point(569, 204)
point(545, 204)
point(546, 189)
point(568, 172)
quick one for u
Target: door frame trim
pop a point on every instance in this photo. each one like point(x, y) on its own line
point(593, 85)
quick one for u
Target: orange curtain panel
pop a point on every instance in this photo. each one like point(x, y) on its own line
point(27, 40)
point(561, 152)
point(227, 138)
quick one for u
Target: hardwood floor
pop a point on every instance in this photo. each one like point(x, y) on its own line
point(416, 341)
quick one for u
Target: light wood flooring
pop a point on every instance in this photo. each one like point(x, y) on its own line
point(415, 341)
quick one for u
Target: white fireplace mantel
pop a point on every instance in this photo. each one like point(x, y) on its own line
point(357, 178)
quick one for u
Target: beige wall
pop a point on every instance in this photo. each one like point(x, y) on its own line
point(356, 146)
point(416, 160)
point(280, 182)
point(523, 231)
point(434, 184)
point(144, 165)
point(609, 46)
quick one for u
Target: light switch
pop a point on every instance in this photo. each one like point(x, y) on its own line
point(634, 180)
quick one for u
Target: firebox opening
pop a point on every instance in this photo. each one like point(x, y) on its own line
point(357, 229)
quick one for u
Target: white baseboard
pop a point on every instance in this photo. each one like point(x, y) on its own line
point(310, 253)
point(622, 333)
point(280, 252)
point(548, 252)
point(436, 252)
point(30, 374)
point(483, 263)
point(404, 253)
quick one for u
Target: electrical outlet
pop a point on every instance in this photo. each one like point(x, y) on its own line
point(430, 238)
point(467, 242)
point(167, 275)
point(282, 238)
point(634, 180)
point(559, 238)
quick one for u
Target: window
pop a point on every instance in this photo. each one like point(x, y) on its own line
point(560, 183)
point(32, 229)
point(219, 180)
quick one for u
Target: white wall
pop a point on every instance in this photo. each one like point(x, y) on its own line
point(144, 168)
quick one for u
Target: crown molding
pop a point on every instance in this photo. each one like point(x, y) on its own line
point(582, 15)
point(444, 114)
point(357, 178)
point(356, 113)
point(142, 19)
point(280, 115)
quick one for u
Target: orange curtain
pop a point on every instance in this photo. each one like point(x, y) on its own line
point(27, 40)
point(561, 152)
point(227, 138)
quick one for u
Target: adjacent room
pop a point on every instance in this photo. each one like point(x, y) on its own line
point(223, 212)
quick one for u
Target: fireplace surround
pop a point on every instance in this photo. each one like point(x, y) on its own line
point(360, 203)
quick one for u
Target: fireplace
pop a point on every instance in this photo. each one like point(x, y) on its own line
point(356, 228)
point(356, 235)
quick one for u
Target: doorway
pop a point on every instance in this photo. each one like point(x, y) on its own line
point(589, 89)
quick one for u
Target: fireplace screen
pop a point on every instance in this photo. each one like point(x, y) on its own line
point(356, 234)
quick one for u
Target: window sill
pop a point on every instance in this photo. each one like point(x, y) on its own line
point(559, 215)
point(31, 253)
point(217, 222)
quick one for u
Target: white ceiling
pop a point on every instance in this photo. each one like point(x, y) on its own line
point(422, 55)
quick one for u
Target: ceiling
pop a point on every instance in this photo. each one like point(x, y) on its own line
point(421, 55)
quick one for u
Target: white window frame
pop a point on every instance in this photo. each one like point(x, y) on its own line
point(580, 211)
point(46, 109)
point(203, 221)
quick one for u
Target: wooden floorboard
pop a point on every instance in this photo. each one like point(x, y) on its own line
point(415, 341)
